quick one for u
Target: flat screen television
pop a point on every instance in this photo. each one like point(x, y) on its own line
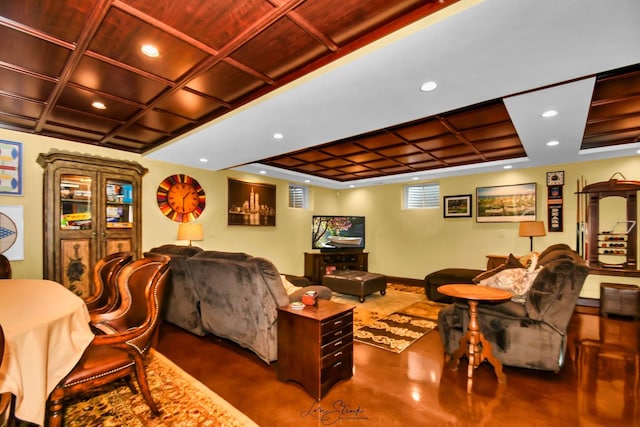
point(337, 233)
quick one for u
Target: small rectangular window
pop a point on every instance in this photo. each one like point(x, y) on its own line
point(298, 195)
point(422, 196)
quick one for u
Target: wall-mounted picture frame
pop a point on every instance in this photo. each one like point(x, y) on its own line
point(251, 203)
point(457, 206)
point(11, 165)
point(12, 232)
point(506, 203)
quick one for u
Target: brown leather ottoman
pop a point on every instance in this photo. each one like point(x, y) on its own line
point(354, 282)
point(620, 299)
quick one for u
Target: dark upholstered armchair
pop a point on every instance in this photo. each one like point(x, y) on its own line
point(530, 335)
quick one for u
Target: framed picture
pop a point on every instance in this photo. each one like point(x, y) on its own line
point(506, 203)
point(12, 232)
point(11, 165)
point(251, 203)
point(457, 206)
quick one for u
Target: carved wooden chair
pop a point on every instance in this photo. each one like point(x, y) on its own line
point(5, 267)
point(106, 296)
point(129, 331)
point(6, 399)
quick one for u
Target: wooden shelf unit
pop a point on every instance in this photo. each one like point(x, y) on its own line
point(317, 264)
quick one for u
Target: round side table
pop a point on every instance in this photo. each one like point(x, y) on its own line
point(473, 343)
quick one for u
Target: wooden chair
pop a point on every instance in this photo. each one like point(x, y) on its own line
point(5, 267)
point(106, 296)
point(6, 399)
point(121, 351)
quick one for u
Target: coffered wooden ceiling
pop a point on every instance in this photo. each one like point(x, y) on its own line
point(476, 134)
point(59, 56)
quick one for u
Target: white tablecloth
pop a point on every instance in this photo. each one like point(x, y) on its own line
point(46, 330)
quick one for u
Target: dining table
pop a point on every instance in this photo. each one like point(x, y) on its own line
point(47, 330)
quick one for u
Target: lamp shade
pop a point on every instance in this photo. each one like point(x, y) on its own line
point(532, 229)
point(190, 231)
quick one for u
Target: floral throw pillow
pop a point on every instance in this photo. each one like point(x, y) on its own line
point(518, 281)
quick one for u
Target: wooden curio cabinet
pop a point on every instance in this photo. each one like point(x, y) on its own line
point(611, 244)
point(91, 209)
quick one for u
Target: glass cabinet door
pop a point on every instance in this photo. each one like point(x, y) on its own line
point(75, 202)
point(119, 204)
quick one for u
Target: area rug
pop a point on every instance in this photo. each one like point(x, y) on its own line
point(182, 400)
point(377, 306)
point(392, 321)
point(395, 332)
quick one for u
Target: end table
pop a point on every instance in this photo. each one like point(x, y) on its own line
point(315, 345)
point(473, 343)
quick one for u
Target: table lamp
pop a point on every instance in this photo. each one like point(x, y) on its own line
point(532, 229)
point(190, 231)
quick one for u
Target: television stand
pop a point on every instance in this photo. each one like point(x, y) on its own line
point(318, 264)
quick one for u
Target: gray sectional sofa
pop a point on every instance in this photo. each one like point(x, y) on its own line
point(531, 333)
point(232, 295)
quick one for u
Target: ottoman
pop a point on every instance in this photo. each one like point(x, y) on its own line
point(445, 277)
point(620, 299)
point(354, 282)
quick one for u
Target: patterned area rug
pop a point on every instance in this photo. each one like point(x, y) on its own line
point(182, 400)
point(393, 321)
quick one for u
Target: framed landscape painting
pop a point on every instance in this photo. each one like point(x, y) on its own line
point(457, 206)
point(506, 203)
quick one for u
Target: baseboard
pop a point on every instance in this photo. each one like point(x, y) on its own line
point(405, 281)
point(588, 302)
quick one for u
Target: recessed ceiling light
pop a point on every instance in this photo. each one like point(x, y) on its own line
point(638, 151)
point(553, 143)
point(351, 186)
point(549, 113)
point(278, 136)
point(98, 105)
point(150, 50)
point(203, 160)
point(307, 181)
point(508, 166)
point(263, 172)
point(428, 86)
point(415, 178)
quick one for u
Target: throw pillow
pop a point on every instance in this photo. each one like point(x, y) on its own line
point(288, 286)
point(517, 281)
point(530, 261)
point(512, 262)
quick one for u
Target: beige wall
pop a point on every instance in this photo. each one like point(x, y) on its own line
point(403, 243)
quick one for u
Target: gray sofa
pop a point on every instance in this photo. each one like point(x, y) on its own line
point(531, 333)
point(232, 295)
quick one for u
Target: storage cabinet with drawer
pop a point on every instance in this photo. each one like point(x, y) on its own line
point(315, 345)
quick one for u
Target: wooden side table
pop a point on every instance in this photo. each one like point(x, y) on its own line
point(473, 343)
point(315, 345)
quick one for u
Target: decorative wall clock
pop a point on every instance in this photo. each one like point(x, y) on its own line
point(180, 198)
point(555, 178)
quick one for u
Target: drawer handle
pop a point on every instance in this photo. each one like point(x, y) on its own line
point(338, 343)
point(337, 334)
point(337, 364)
point(338, 354)
point(337, 322)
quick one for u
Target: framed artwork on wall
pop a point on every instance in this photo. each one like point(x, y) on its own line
point(251, 203)
point(457, 206)
point(506, 203)
point(11, 165)
point(12, 232)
